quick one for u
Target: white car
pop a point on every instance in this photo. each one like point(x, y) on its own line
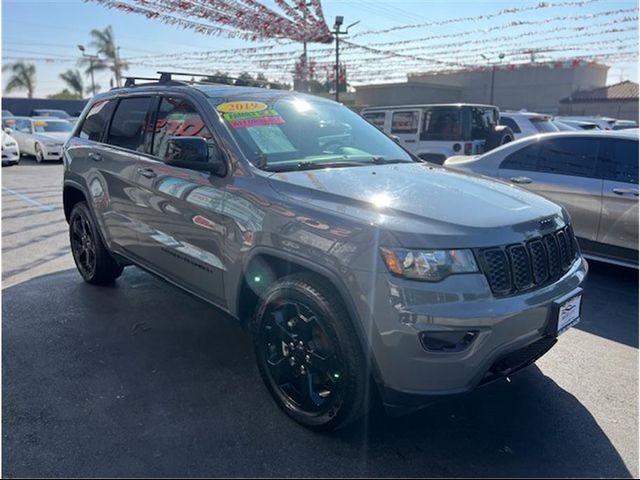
point(523, 124)
point(10, 150)
point(41, 137)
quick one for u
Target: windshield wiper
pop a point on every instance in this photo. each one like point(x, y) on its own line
point(388, 161)
point(309, 165)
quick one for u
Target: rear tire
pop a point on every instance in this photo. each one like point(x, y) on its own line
point(93, 260)
point(308, 353)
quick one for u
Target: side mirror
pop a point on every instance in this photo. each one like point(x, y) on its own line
point(8, 130)
point(194, 153)
point(395, 139)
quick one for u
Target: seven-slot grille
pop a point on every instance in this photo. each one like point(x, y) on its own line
point(514, 268)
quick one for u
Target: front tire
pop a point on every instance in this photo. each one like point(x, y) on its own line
point(93, 260)
point(309, 355)
point(39, 153)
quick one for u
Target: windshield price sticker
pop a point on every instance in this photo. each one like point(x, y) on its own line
point(243, 115)
point(39, 123)
point(235, 107)
point(256, 122)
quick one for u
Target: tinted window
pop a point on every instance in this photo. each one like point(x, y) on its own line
point(524, 159)
point(377, 118)
point(510, 122)
point(177, 118)
point(44, 126)
point(127, 127)
point(96, 120)
point(442, 123)
point(569, 156)
point(404, 122)
point(619, 160)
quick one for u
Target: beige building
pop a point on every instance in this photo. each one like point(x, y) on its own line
point(536, 86)
point(617, 101)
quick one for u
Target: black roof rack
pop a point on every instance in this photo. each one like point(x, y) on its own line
point(168, 76)
point(131, 81)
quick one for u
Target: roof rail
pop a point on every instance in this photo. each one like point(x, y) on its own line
point(168, 77)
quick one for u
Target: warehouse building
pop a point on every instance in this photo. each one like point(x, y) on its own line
point(535, 86)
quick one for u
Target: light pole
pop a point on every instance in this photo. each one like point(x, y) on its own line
point(91, 58)
point(305, 68)
point(338, 23)
point(493, 74)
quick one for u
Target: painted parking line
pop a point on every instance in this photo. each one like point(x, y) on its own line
point(30, 200)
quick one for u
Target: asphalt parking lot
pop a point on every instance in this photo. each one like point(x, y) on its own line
point(141, 379)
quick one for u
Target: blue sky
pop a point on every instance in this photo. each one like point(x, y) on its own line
point(53, 28)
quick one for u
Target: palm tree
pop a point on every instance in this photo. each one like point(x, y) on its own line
point(104, 42)
point(73, 79)
point(23, 78)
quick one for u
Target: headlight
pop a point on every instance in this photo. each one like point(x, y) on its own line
point(429, 265)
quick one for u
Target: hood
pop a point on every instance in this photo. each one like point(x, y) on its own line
point(58, 137)
point(425, 199)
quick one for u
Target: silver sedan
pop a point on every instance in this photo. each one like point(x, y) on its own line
point(594, 175)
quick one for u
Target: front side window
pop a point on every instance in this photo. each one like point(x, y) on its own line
point(177, 118)
point(442, 123)
point(96, 120)
point(376, 118)
point(289, 132)
point(569, 156)
point(404, 122)
point(619, 160)
point(127, 127)
point(524, 159)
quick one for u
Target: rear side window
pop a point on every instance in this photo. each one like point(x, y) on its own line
point(569, 156)
point(177, 118)
point(96, 120)
point(376, 118)
point(510, 122)
point(127, 127)
point(524, 159)
point(619, 160)
point(442, 123)
point(404, 122)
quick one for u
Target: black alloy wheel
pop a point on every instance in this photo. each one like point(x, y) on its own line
point(83, 245)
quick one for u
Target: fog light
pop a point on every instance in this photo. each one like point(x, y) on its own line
point(450, 342)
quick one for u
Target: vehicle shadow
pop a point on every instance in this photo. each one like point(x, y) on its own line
point(612, 293)
point(141, 379)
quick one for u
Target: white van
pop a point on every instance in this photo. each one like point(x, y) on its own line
point(437, 132)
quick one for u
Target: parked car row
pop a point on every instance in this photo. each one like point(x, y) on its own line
point(40, 136)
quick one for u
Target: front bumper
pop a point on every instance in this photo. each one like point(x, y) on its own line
point(519, 328)
point(10, 155)
point(52, 152)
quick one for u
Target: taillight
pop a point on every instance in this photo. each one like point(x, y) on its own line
point(467, 148)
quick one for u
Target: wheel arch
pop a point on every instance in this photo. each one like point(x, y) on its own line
point(72, 193)
point(283, 264)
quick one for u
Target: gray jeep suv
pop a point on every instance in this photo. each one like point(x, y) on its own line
point(357, 267)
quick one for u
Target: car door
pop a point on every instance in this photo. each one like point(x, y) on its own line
point(618, 162)
point(405, 124)
point(180, 210)
point(114, 170)
point(23, 135)
point(563, 169)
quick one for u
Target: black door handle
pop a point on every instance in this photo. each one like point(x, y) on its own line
point(96, 157)
point(147, 172)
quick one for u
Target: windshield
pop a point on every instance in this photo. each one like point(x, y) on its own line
point(42, 126)
point(293, 133)
point(544, 125)
point(53, 113)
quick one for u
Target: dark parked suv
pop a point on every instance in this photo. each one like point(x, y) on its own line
point(357, 267)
